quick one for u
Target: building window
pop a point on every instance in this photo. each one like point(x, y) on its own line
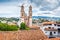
point(22, 14)
point(49, 27)
point(58, 25)
point(49, 24)
point(54, 32)
point(52, 27)
point(54, 24)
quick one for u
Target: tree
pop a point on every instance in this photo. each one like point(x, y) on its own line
point(23, 26)
point(6, 27)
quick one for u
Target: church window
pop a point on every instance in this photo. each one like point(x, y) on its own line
point(22, 14)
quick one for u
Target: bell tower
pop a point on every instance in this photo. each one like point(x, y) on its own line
point(30, 11)
point(22, 13)
point(30, 15)
point(24, 18)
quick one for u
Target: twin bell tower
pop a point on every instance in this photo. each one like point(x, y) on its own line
point(24, 18)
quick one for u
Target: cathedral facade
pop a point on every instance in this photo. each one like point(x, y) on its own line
point(24, 18)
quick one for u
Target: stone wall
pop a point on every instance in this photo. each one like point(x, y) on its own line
point(22, 35)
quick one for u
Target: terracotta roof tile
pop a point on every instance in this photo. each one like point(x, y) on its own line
point(49, 23)
point(47, 29)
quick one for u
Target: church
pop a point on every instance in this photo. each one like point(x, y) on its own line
point(24, 18)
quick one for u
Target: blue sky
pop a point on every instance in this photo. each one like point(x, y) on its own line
point(11, 8)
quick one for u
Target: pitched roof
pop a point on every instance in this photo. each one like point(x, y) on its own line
point(47, 29)
point(32, 35)
point(49, 22)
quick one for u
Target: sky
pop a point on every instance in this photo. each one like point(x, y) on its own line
point(11, 8)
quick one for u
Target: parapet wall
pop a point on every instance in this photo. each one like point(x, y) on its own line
point(22, 35)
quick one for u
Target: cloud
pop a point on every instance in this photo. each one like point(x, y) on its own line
point(36, 2)
point(7, 0)
point(57, 11)
point(9, 8)
point(40, 7)
point(46, 4)
point(46, 7)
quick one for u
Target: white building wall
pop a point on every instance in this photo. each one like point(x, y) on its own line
point(22, 20)
point(48, 32)
point(18, 23)
point(3, 21)
point(55, 33)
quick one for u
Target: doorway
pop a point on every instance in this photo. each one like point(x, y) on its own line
point(59, 30)
point(51, 33)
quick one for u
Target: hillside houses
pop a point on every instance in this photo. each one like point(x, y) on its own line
point(9, 22)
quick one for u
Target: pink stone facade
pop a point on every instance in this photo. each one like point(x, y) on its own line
point(27, 19)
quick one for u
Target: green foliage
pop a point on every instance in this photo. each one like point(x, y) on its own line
point(23, 26)
point(6, 27)
point(27, 28)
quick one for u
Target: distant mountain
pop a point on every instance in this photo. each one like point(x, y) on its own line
point(48, 18)
point(34, 17)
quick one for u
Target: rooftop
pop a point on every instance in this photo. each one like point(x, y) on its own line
point(47, 29)
point(49, 23)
